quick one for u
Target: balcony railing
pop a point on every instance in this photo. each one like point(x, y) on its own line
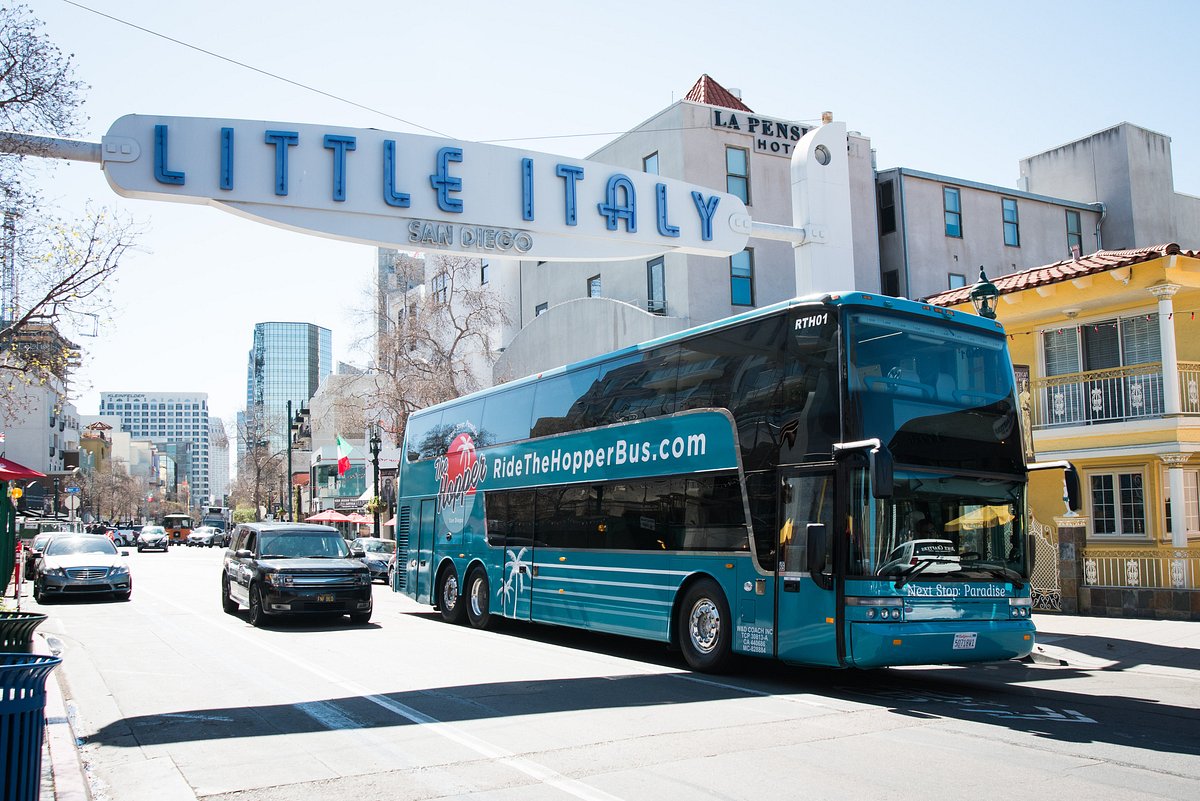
point(1177, 569)
point(1109, 396)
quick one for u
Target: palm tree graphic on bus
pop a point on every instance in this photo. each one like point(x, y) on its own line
point(513, 582)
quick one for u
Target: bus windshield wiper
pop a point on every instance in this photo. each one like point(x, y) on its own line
point(913, 572)
point(1004, 574)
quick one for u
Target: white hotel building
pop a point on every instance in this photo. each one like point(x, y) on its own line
point(177, 422)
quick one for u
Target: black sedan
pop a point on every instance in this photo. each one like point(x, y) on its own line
point(377, 554)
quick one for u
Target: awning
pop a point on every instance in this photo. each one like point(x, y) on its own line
point(328, 516)
point(10, 470)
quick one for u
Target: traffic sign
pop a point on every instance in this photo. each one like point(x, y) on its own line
point(72, 489)
point(72, 502)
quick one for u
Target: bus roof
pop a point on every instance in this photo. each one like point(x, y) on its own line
point(866, 299)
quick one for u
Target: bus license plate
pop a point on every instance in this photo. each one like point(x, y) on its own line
point(328, 599)
point(965, 642)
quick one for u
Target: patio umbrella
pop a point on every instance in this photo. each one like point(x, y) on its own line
point(391, 522)
point(360, 519)
point(328, 516)
point(984, 516)
point(10, 470)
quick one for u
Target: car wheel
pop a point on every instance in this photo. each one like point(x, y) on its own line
point(450, 602)
point(227, 603)
point(705, 628)
point(478, 599)
point(257, 616)
point(139, 549)
point(360, 618)
point(39, 592)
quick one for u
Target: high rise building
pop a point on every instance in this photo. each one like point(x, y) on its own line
point(178, 423)
point(287, 362)
point(218, 474)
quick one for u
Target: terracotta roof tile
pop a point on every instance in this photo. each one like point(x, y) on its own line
point(711, 93)
point(1065, 270)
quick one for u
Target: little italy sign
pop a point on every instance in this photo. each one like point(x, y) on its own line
point(418, 192)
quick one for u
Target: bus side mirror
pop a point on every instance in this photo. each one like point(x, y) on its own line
point(1071, 481)
point(817, 538)
point(882, 472)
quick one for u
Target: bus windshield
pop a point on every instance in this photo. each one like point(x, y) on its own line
point(935, 394)
point(938, 526)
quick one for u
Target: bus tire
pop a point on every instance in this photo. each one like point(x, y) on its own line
point(450, 600)
point(478, 599)
point(705, 628)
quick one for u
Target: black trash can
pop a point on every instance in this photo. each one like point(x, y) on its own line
point(16, 631)
point(23, 723)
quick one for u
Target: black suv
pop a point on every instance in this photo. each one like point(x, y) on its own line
point(294, 568)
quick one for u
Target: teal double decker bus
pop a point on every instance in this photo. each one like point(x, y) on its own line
point(837, 480)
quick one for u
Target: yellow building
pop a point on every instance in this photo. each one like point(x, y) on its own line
point(1106, 350)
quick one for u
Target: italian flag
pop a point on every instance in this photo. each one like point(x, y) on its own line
point(343, 452)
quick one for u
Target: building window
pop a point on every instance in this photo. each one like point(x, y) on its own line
point(540, 309)
point(1118, 505)
point(483, 272)
point(887, 207)
point(1074, 234)
point(741, 278)
point(891, 283)
point(1012, 231)
point(650, 163)
point(656, 288)
point(957, 280)
point(737, 173)
point(439, 287)
point(952, 208)
point(593, 287)
point(1191, 496)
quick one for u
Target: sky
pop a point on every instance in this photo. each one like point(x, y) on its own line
point(964, 89)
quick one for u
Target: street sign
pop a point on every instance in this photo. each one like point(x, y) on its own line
point(419, 192)
point(72, 489)
point(72, 502)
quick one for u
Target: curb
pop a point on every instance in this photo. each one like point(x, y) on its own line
point(65, 766)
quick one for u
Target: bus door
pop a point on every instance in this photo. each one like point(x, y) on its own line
point(516, 586)
point(425, 525)
point(805, 605)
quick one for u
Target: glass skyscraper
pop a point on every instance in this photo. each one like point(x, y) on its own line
point(287, 363)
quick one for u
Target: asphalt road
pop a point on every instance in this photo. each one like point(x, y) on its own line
point(172, 699)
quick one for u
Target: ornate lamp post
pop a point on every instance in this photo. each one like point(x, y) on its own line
point(375, 443)
point(984, 296)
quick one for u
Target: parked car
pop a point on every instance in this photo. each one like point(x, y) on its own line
point(75, 564)
point(34, 549)
point(294, 569)
point(377, 554)
point(205, 537)
point(153, 538)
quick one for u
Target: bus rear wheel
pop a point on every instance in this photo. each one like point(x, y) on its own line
point(450, 602)
point(705, 628)
point(478, 598)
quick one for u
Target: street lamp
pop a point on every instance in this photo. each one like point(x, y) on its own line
point(375, 443)
point(984, 296)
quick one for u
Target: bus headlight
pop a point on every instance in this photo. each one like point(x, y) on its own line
point(1020, 607)
point(884, 608)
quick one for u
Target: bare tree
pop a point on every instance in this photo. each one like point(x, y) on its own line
point(52, 274)
point(261, 468)
point(435, 337)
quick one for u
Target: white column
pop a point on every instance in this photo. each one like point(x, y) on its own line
point(1175, 463)
point(821, 206)
point(1166, 335)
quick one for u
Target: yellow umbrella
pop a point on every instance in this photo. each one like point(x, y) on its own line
point(983, 516)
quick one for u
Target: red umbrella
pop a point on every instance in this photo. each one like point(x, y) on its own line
point(360, 519)
point(328, 516)
point(10, 470)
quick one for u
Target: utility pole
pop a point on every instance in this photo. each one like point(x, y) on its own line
point(290, 494)
point(375, 473)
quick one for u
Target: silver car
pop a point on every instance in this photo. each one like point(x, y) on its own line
point(81, 564)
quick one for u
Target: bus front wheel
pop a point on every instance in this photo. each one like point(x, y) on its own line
point(478, 599)
point(450, 602)
point(705, 628)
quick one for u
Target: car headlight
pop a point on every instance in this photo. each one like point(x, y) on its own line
point(363, 578)
point(279, 579)
point(56, 571)
point(119, 570)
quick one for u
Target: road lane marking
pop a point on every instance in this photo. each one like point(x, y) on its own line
point(334, 719)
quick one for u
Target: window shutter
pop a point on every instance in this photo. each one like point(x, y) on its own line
point(1140, 340)
point(1062, 351)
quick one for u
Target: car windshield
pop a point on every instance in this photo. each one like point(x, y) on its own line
point(372, 545)
point(41, 539)
point(303, 544)
point(69, 545)
point(153, 530)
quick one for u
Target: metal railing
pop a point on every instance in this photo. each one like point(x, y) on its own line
point(1108, 396)
point(1174, 569)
